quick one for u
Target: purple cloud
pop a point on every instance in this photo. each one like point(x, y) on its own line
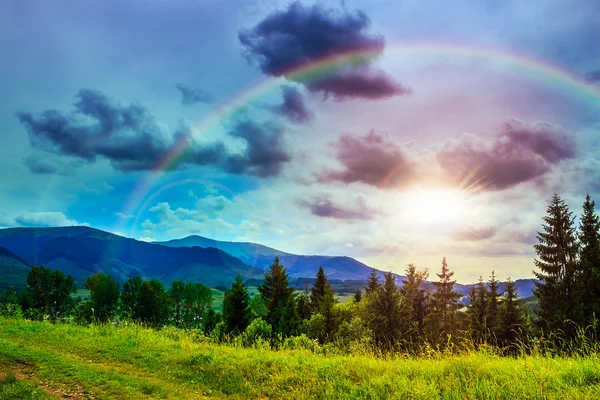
point(302, 35)
point(293, 106)
point(322, 206)
point(519, 153)
point(372, 159)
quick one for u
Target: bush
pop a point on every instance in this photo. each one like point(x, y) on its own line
point(257, 333)
point(301, 342)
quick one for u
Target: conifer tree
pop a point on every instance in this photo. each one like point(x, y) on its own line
point(557, 251)
point(304, 307)
point(237, 314)
point(373, 282)
point(493, 313)
point(445, 300)
point(282, 312)
point(477, 311)
point(320, 287)
point(413, 293)
point(512, 317)
point(390, 319)
point(588, 277)
point(357, 296)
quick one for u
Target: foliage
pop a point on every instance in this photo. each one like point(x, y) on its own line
point(236, 307)
point(48, 293)
point(257, 333)
point(588, 274)
point(10, 304)
point(105, 292)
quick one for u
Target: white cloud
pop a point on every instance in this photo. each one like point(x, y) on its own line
point(37, 219)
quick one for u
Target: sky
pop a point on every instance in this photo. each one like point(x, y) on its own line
point(393, 132)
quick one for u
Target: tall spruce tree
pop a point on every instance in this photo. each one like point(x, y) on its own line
point(373, 282)
point(414, 294)
point(512, 317)
point(477, 311)
point(318, 290)
point(445, 300)
point(557, 263)
point(588, 277)
point(389, 316)
point(282, 312)
point(237, 313)
point(493, 305)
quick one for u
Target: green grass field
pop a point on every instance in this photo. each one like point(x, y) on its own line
point(40, 360)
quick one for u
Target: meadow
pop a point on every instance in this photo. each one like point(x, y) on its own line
point(41, 360)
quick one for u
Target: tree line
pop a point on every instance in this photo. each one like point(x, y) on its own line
point(386, 315)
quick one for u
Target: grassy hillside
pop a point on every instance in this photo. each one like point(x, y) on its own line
point(136, 363)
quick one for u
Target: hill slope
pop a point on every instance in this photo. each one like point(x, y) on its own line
point(82, 251)
point(13, 270)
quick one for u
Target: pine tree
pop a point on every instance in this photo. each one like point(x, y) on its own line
point(237, 314)
point(445, 300)
point(557, 250)
point(477, 311)
point(304, 307)
point(357, 296)
point(413, 293)
point(390, 318)
point(493, 313)
point(282, 312)
point(373, 282)
point(512, 317)
point(320, 287)
point(588, 277)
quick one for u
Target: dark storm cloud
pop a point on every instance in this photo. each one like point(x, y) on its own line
point(301, 35)
point(265, 153)
point(131, 139)
point(322, 206)
point(191, 96)
point(373, 159)
point(293, 106)
point(519, 153)
point(39, 166)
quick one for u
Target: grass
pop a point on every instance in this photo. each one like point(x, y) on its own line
point(132, 362)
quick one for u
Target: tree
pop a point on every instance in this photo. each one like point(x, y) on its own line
point(373, 282)
point(104, 293)
point(177, 295)
point(389, 316)
point(445, 300)
point(320, 287)
point(130, 297)
point(9, 303)
point(413, 293)
point(328, 311)
point(49, 292)
point(357, 296)
point(588, 277)
point(512, 317)
point(493, 302)
point(282, 313)
point(237, 314)
point(557, 251)
point(153, 304)
point(196, 299)
point(210, 320)
point(304, 308)
point(477, 311)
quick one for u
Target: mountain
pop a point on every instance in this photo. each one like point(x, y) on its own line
point(82, 251)
point(299, 266)
point(13, 270)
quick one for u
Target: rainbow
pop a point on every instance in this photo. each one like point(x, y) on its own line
point(537, 70)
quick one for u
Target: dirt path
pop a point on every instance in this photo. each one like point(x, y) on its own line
point(55, 389)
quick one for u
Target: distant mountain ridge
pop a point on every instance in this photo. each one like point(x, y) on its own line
point(298, 266)
point(82, 251)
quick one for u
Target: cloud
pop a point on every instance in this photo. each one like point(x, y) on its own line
point(37, 219)
point(474, 234)
point(372, 159)
point(190, 96)
point(131, 139)
point(293, 106)
point(301, 35)
point(123, 216)
point(265, 153)
point(519, 153)
point(593, 76)
point(322, 206)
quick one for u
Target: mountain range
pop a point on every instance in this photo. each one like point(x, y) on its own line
point(81, 251)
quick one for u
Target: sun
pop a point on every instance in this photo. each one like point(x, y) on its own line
point(433, 207)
